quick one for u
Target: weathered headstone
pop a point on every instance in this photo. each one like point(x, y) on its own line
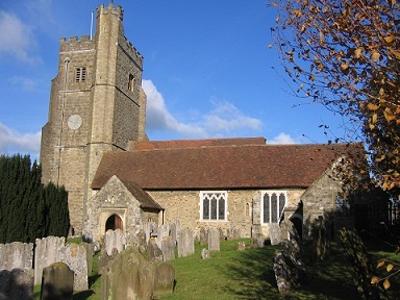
point(185, 243)
point(275, 233)
point(205, 254)
point(16, 284)
point(128, 276)
point(114, 239)
point(165, 279)
point(168, 248)
point(172, 232)
point(213, 239)
point(75, 256)
point(233, 233)
point(221, 234)
point(52, 250)
point(16, 256)
point(203, 236)
point(57, 283)
point(288, 267)
point(241, 246)
point(154, 251)
point(89, 256)
point(48, 251)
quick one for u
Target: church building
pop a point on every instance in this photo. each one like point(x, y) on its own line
point(95, 144)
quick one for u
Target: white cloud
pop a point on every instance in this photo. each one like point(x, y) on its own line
point(14, 141)
point(16, 38)
point(282, 138)
point(224, 118)
point(23, 82)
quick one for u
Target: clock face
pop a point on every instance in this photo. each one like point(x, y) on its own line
point(74, 122)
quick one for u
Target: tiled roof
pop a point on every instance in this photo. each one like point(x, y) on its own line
point(153, 145)
point(146, 201)
point(222, 167)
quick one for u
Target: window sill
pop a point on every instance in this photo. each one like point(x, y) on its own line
point(213, 221)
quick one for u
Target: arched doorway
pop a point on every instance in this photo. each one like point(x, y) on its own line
point(114, 222)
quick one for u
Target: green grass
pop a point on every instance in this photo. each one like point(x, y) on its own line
point(232, 274)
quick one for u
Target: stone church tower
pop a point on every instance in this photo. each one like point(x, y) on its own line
point(97, 104)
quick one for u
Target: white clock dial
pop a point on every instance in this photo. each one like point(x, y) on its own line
point(74, 122)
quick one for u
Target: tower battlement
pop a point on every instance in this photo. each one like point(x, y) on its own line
point(111, 9)
point(76, 43)
point(131, 51)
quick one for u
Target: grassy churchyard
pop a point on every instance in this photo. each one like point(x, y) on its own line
point(248, 274)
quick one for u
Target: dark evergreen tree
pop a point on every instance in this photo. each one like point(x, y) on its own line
point(29, 210)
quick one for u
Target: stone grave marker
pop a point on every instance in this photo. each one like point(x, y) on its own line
point(213, 239)
point(57, 283)
point(185, 243)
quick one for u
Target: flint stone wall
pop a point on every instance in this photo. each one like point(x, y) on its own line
point(16, 256)
point(184, 205)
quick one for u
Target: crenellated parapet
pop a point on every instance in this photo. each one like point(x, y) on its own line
point(111, 9)
point(130, 49)
point(76, 43)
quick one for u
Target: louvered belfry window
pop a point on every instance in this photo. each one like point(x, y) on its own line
point(80, 74)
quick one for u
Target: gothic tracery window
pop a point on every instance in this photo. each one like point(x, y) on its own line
point(273, 203)
point(213, 206)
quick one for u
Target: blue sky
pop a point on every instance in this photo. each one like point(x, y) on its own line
point(207, 70)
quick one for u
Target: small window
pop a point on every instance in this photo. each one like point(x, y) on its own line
point(273, 204)
point(80, 74)
point(131, 82)
point(213, 206)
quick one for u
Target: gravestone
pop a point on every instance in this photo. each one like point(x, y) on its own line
point(233, 233)
point(16, 256)
point(185, 243)
point(203, 236)
point(128, 276)
point(168, 248)
point(16, 284)
point(52, 250)
point(241, 246)
point(154, 251)
point(75, 256)
point(165, 279)
point(205, 254)
point(288, 267)
point(114, 239)
point(172, 232)
point(274, 234)
point(213, 239)
point(48, 251)
point(57, 283)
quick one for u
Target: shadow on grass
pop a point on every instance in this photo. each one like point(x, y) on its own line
point(83, 295)
point(255, 278)
point(252, 270)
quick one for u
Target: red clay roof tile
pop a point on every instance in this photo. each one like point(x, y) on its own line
point(221, 167)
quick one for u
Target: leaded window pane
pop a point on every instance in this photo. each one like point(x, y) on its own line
point(282, 201)
point(274, 208)
point(221, 209)
point(213, 208)
point(266, 208)
point(206, 209)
